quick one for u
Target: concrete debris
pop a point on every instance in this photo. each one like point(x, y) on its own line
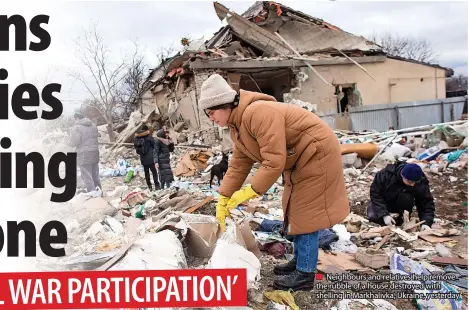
point(383, 231)
point(372, 258)
point(127, 227)
point(443, 251)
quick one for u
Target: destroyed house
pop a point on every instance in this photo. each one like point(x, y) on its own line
point(294, 57)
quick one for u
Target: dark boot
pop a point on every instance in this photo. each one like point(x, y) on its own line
point(296, 281)
point(286, 268)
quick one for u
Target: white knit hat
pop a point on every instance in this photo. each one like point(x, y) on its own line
point(215, 91)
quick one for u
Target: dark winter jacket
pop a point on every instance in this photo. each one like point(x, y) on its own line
point(388, 185)
point(84, 137)
point(161, 156)
point(148, 144)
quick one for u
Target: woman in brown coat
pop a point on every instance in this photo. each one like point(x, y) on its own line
point(283, 138)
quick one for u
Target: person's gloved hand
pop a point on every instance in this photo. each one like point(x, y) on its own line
point(222, 212)
point(241, 196)
point(425, 227)
point(388, 220)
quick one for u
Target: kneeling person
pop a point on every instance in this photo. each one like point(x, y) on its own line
point(396, 188)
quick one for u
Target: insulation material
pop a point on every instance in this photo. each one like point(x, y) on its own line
point(160, 251)
point(229, 253)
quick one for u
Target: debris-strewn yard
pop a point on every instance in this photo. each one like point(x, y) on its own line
point(125, 226)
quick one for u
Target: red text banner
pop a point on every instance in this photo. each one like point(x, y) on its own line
point(124, 289)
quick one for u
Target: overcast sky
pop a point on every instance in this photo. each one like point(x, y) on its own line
point(160, 24)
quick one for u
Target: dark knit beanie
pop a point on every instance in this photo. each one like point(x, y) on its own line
point(412, 172)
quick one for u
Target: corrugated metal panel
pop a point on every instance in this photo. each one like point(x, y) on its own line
point(368, 120)
point(419, 116)
point(411, 114)
point(447, 111)
point(458, 107)
point(457, 111)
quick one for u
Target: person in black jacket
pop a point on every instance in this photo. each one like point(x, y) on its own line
point(144, 146)
point(161, 157)
point(396, 188)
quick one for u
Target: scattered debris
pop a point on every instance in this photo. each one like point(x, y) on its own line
point(372, 258)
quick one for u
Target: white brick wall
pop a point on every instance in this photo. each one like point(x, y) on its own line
point(200, 77)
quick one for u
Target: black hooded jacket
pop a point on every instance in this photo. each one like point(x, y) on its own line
point(149, 145)
point(388, 185)
point(161, 156)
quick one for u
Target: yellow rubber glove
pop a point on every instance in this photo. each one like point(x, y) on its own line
point(241, 196)
point(222, 211)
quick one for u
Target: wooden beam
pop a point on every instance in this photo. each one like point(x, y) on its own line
point(356, 63)
point(285, 63)
point(382, 242)
point(199, 205)
point(444, 261)
point(413, 226)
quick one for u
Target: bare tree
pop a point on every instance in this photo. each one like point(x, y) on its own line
point(89, 110)
point(132, 84)
point(456, 83)
point(407, 47)
point(105, 77)
point(164, 55)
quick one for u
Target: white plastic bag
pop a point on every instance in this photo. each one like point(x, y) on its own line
point(117, 191)
point(160, 251)
point(342, 232)
point(229, 254)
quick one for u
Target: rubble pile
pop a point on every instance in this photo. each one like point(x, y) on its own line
point(125, 226)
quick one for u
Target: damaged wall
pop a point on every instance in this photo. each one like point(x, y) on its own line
point(209, 134)
point(396, 81)
point(147, 103)
point(188, 109)
point(161, 101)
point(200, 77)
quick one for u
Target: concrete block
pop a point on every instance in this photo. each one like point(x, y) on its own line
point(372, 258)
point(349, 159)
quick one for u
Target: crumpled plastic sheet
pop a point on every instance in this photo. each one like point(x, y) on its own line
point(460, 273)
point(229, 254)
point(154, 251)
point(405, 266)
point(379, 303)
point(283, 298)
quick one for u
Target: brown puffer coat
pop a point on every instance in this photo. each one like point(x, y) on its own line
point(285, 137)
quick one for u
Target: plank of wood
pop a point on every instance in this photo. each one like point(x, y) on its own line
point(341, 260)
point(449, 261)
point(382, 242)
point(413, 226)
point(199, 205)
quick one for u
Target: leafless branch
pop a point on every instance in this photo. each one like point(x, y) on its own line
point(407, 47)
point(106, 80)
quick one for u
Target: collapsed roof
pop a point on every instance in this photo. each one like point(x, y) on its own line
point(272, 31)
point(306, 34)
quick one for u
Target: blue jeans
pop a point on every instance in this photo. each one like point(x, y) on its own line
point(306, 250)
